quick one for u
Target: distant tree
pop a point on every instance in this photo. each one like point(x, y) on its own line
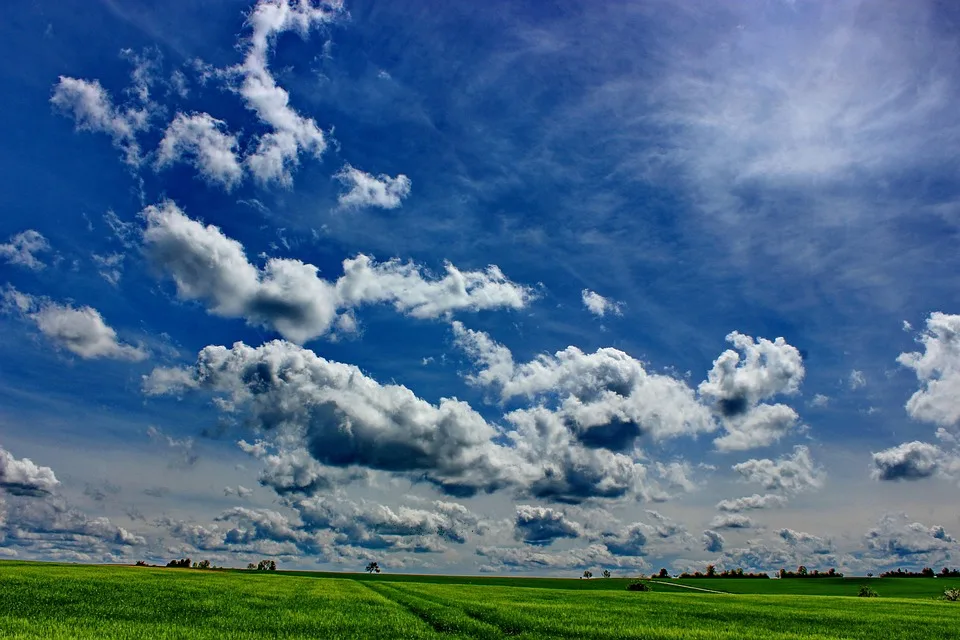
point(870, 575)
point(663, 574)
point(606, 573)
point(183, 563)
point(273, 565)
point(251, 566)
point(203, 564)
point(711, 571)
point(587, 574)
point(373, 567)
point(801, 570)
point(141, 563)
point(637, 585)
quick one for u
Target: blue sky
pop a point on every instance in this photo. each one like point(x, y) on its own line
point(517, 287)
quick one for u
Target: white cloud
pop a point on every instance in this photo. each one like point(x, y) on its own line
point(91, 107)
point(23, 477)
point(199, 139)
point(857, 380)
point(404, 286)
point(542, 525)
point(791, 474)
point(761, 426)
point(750, 503)
point(938, 370)
point(288, 295)
point(599, 305)
point(81, 331)
point(712, 541)
point(278, 151)
point(608, 395)
point(896, 539)
point(366, 190)
point(767, 369)
point(526, 558)
point(22, 247)
point(731, 521)
point(345, 419)
point(913, 461)
point(735, 386)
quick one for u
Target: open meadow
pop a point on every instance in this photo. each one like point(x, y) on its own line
point(74, 601)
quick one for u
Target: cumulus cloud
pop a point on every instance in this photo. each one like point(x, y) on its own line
point(908, 461)
point(567, 470)
point(820, 400)
point(23, 477)
point(766, 369)
point(630, 541)
point(375, 526)
point(750, 503)
point(731, 521)
point(52, 521)
point(240, 491)
point(810, 543)
point(526, 558)
point(666, 528)
point(791, 474)
point(761, 426)
point(295, 471)
point(938, 371)
point(22, 248)
point(737, 385)
point(36, 520)
point(91, 107)
point(897, 538)
point(607, 397)
point(81, 331)
point(712, 541)
point(277, 152)
point(589, 411)
point(289, 296)
point(542, 526)
point(345, 418)
point(366, 190)
point(600, 306)
point(200, 139)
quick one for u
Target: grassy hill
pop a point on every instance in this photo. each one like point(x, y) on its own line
point(74, 601)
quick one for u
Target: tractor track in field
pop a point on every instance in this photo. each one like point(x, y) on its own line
point(687, 586)
point(477, 628)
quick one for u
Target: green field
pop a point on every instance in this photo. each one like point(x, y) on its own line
point(70, 601)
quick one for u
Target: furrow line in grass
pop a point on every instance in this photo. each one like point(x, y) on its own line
point(444, 618)
point(505, 628)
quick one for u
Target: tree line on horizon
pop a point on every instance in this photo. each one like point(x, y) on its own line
point(926, 572)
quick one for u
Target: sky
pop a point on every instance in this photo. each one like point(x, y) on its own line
point(495, 287)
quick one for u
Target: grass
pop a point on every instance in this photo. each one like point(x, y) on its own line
point(72, 601)
point(886, 587)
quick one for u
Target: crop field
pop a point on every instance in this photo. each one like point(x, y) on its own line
point(71, 601)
